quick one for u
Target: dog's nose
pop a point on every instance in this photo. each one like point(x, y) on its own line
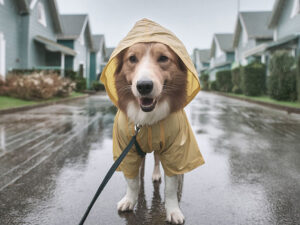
point(144, 86)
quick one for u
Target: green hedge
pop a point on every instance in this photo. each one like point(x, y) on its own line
point(223, 80)
point(254, 79)
point(80, 84)
point(213, 86)
point(204, 78)
point(71, 74)
point(298, 78)
point(97, 86)
point(282, 80)
point(236, 78)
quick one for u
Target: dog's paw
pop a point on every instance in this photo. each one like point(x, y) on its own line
point(126, 204)
point(156, 176)
point(175, 216)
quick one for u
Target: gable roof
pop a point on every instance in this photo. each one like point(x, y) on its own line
point(109, 51)
point(276, 12)
point(255, 25)
point(203, 54)
point(23, 7)
point(98, 42)
point(225, 41)
point(75, 25)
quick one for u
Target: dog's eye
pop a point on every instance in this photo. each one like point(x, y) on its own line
point(163, 58)
point(133, 59)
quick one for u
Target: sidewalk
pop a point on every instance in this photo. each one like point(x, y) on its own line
point(37, 105)
point(288, 109)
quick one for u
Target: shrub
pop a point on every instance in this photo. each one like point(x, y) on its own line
point(282, 80)
point(80, 84)
point(97, 86)
point(38, 86)
point(223, 80)
point(70, 74)
point(254, 79)
point(298, 78)
point(236, 79)
point(213, 86)
point(31, 71)
point(3, 88)
point(204, 78)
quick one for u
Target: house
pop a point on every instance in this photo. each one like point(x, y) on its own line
point(221, 54)
point(201, 59)
point(97, 57)
point(109, 51)
point(285, 21)
point(28, 36)
point(251, 34)
point(76, 34)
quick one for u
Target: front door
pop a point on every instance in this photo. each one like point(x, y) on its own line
point(2, 55)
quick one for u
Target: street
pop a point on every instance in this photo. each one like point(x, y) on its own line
point(52, 160)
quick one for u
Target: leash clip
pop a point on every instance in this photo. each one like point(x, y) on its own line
point(137, 128)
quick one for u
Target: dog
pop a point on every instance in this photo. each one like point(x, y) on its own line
point(151, 81)
point(150, 78)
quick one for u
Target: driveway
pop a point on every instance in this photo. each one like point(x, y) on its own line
point(52, 160)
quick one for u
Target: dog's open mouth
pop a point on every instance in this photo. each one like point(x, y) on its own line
point(147, 104)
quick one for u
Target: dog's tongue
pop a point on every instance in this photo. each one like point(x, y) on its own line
point(146, 101)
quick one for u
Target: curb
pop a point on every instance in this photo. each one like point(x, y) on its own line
point(25, 108)
point(288, 109)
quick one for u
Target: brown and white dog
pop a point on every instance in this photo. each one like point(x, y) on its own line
point(151, 83)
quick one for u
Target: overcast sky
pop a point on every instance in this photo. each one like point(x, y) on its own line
point(193, 21)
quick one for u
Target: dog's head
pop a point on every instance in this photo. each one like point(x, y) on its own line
point(151, 82)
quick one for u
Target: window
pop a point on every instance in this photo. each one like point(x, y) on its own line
point(2, 2)
point(296, 8)
point(41, 14)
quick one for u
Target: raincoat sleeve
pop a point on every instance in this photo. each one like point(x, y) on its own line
point(121, 137)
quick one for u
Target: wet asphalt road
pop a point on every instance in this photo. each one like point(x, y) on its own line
point(52, 160)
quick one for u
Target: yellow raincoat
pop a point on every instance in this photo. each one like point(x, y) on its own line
point(171, 138)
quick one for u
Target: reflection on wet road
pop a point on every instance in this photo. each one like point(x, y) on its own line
point(52, 160)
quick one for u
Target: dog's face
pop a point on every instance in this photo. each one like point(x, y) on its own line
point(150, 81)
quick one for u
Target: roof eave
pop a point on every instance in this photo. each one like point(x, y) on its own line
point(56, 16)
point(237, 32)
point(276, 12)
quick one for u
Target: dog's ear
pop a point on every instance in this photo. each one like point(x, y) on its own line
point(181, 65)
point(120, 61)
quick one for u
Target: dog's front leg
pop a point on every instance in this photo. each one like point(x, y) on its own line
point(156, 175)
point(174, 214)
point(128, 202)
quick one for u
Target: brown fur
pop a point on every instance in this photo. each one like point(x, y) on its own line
point(171, 74)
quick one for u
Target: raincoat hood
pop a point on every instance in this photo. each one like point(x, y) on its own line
point(148, 31)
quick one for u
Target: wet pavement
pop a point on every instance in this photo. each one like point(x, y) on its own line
point(52, 160)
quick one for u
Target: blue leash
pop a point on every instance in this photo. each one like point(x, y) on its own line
point(112, 170)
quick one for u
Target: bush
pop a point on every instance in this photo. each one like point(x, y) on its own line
point(298, 78)
point(223, 80)
point(213, 86)
point(236, 79)
point(3, 88)
point(80, 84)
point(254, 79)
point(204, 78)
point(32, 71)
point(70, 74)
point(282, 80)
point(38, 86)
point(97, 86)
